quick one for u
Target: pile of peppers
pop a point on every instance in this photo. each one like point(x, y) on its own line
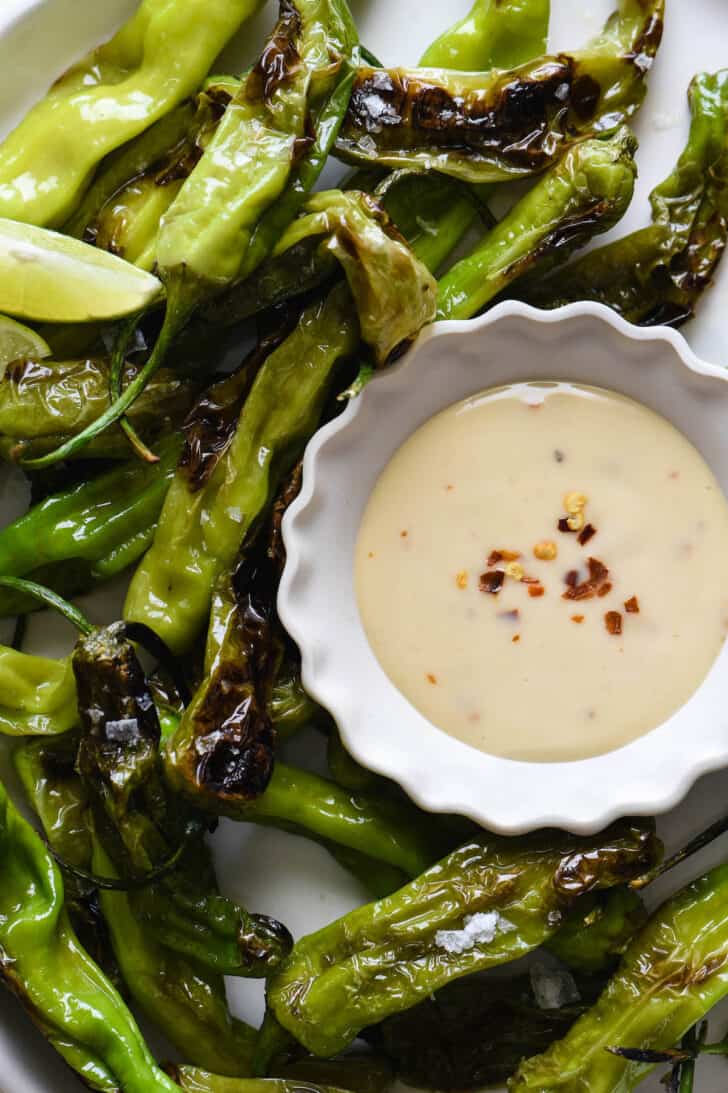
point(157, 450)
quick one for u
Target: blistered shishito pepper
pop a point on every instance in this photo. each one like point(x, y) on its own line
point(37, 695)
point(201, 530)
point(432, 213)
point(494, 34)
point(199, 1081)
point(393, 290)
point(489, 902)
point(252, 178)
point(587, 192)
point(65, 993)
point(157, 59)
point(674, 972)
point(657, 274)
point(505, 125)
point(90, 532)
point(133, 189)
point(43, 403)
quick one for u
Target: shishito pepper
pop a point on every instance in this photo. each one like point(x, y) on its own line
point(65, 993)
point(673, 973)
point(157, 59)
point(586, 193)
point(505, 125)
point(658, 273)
point(202, 530)
point(489, 902)
point(90, 532)
point(494, 34)
point(44, 402)
point(252, 178)
point(37, 695)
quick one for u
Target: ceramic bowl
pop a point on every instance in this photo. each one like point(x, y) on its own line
point(584, 343)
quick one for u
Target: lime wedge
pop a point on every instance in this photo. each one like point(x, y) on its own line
point(18, 341)
point(48, 277)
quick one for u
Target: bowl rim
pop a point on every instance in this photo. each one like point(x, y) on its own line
point(638, 791)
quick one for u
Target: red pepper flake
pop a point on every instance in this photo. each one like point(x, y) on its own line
point(632, 606)
point(605, 589)
point(578, 619)
point(563, 525)
point(515, 638)
point(592, 586)
point(588, 533)
point(497, 556)
point(613, 623)
point(510, 616)
point(431, 679)
point(492, 581)
point(536, 590)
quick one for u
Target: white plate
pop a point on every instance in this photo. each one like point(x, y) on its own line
point(267, 870)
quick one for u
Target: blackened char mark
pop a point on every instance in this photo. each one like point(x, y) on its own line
point(291, 489)
point(520, 120)
point(646, 45)
point(210, 424)
point(235, 735)
point(280, 59)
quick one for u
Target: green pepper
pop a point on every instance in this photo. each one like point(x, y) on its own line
point(185, 1001)
point(44, 402)
point(657, 273)
point(505, 125)
point(66, 994)
point(202, 530)
point(587, 192)
point(135, 187)
point(671, 976)
point(488, 903)
point(155, 61)
point(494, 34)
point(247, 186)
point(90, 532)
point(356, 232)
point(37, 695)
point(198, 1081)
point(596, 934)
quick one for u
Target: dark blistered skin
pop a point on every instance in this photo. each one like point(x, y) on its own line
point(503, 124)
point(280, 59)
point(384, 958)
point(224, 749)
point(211, 423)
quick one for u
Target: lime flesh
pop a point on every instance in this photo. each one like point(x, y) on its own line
point(48, 277)
point(18, 341)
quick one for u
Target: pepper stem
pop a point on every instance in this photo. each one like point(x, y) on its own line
point(720, 827)
point(50, 599)
point(118, 359)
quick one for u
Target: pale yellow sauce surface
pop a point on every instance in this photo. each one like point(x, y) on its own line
point(537, 676)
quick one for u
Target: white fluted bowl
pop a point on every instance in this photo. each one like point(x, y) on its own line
point(583, 343)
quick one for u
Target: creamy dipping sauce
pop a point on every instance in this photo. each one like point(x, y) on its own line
point(542, 571)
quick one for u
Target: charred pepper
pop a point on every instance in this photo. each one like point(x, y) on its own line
point(154, 62)
point(657, 274)
point(671, 976)
point(505, 125)
point(489, 902)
